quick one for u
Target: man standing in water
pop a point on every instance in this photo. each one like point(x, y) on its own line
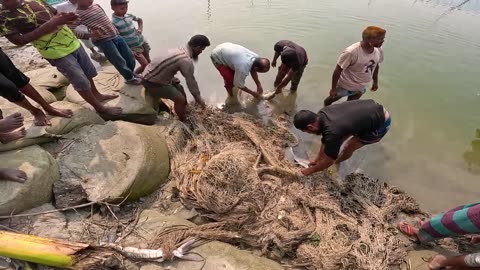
point(159, 80)
point(235, 62)
point(294, 60)
point(357, 66)
point(353, 124)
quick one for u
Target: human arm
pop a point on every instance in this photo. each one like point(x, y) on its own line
point(335, 77)
point(375, 78)
point(44, 29)
point(187, 69)
point(257, 81)
point(467, 261)
point(140, 25)
point(275, 57)
point(321, 162)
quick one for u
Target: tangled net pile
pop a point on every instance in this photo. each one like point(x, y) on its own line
point(233, 170)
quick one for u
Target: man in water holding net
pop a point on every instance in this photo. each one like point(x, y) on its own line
point(352, 124)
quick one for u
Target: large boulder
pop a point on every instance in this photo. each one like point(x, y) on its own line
point(60, 126)
point(117, 160)
point(131, 97)
point(217, 255)
point(42, 171)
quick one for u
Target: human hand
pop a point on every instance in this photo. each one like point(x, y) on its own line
point(306, 171)
point(140, 30)
point(374, 87)
point(63, 18)
point(312, 163)
point(259, 90)
point(96, 33)
point(333, 92)
point(274, 63)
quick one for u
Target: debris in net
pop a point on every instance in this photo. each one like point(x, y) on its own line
point(233, 171)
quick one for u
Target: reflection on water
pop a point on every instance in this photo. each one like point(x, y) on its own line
point(467, 5)
point(472, 157)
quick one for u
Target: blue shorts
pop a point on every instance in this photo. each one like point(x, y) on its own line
point(377, 135)
point(341, 92)
point(77, 68)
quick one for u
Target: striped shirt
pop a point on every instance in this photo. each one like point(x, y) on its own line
point(127, 29)
point(162, 69)
point(95, 18)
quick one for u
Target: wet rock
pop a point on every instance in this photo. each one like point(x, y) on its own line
point(117, 160)
point(42, 171)
point(217, 255)
point(131, 98)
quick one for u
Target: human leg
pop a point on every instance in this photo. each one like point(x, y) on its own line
point(282, 72)
point(172, 92)
point(13, 135)
point(296, 79)
point(30, 92)
point(125, 52)
point(13, 175)
point(116, 59)
point(79, 70)
point(228, 76)
point(11, 122)
point(351, 145)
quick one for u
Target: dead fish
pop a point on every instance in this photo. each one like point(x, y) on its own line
point(155, 255)
point(300, 161)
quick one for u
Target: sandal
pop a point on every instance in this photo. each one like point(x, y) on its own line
point(407, 229)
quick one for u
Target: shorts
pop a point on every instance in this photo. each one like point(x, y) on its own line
point(77, 68)
point(172, 91)
point(144, 48)
point(377, 135)
point(11, 80)
point(341, 92)
point(228, 75)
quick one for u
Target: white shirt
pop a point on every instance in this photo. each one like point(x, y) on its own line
point(358, 67)
point(237, 58)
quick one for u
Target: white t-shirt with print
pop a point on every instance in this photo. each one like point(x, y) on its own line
point(358, 67)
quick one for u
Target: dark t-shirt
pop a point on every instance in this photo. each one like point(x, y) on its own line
point(293, 55)
point(339, 121)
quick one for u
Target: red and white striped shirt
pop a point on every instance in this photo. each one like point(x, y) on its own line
point(95, 18)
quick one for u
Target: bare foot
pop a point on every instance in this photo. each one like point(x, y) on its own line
point(40, 119)
point(11, 122)
point(12, 136)
point(112, 111)
point(103, 97)
point(13, 175)
point(59, 112)
point(437, 262)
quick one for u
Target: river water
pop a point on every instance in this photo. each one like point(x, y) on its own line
point(430, 80)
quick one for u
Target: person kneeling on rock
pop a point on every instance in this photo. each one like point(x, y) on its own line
point(159, 80)
point(355, 124)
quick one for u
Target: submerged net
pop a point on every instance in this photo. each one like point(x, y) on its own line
point(233, 171)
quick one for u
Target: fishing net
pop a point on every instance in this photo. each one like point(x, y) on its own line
point(233, 170)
